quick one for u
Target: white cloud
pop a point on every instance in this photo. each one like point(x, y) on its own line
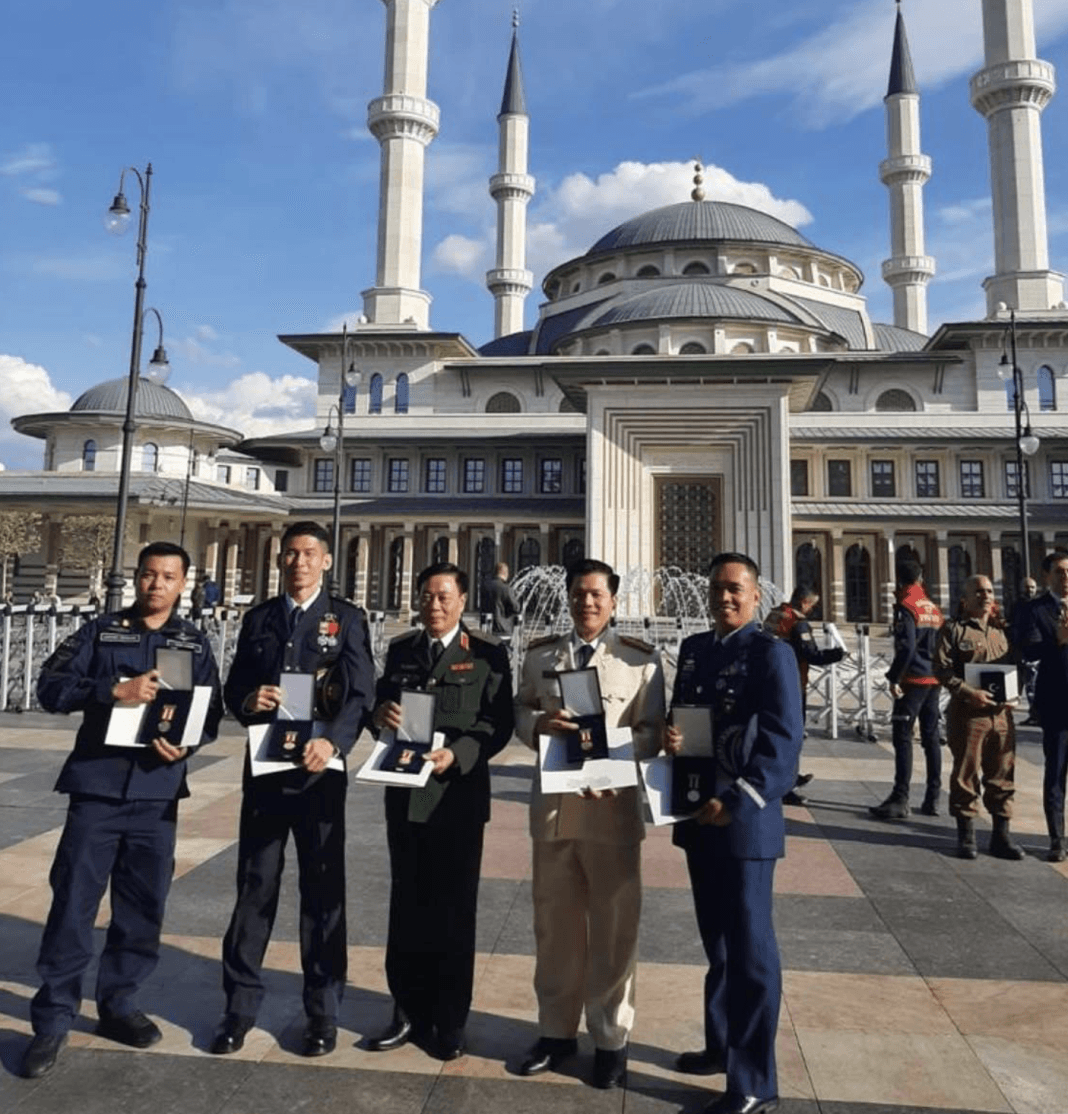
point(34, 158)
point(41, 196)
point(205, 332)
point(945, 40)
point(27, 389)
point(256, 404)
point(192, 350)
point(569, 219)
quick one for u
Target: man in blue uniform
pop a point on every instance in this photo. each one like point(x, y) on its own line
point(750, 680)
point(122, 813)
point(304, 630)
point(1043, 638)
point(435, 833)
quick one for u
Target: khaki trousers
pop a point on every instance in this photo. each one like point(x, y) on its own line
point(587, 902)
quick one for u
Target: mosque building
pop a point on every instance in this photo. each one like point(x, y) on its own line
point(703, 377)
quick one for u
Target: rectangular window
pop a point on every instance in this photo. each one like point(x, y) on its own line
point(281, 479)
point(511, 476)
point(798, 477)
point(883, 482)
point(222, 473)
point(928, 485)
point(252, 479)
point(474, 476)
point(972, 482)
point(1058, 479)
point(552, 476)
point(398, 474)
point(435, 476)
point(323, 479)
point(1012, 488)
point(360, 475)
point(839, 477)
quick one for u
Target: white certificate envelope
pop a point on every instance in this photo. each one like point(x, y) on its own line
point(656, 776)
point(617, 771)
point(973, 675)
point(695, 723)
point(124, 724)
point(257, 748)
point(372, 770)
point(834, 637)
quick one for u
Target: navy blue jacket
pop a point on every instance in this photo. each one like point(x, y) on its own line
point(79, 677)
point(752, 685)
point(917, 622)
point(1035, 636)
point(331, 638)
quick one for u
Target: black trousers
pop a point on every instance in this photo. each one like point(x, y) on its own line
point(1055, 750)
point(316, 818)
point(430, 954)
point(131, 845)
point(919, 702)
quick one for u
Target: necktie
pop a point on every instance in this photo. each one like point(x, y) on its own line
point(294, 618)
point(436, 650)
point(585, 652)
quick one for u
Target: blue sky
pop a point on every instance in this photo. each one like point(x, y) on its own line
point(264, 197)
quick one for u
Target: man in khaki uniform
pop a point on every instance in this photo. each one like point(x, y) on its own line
point(587, 847)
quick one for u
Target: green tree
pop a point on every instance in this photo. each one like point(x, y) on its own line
point(20, 532)
point(86, 542)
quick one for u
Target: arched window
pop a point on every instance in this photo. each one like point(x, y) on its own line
point(528, 554)
point(648, 271)
point(351, 565)
point(485, 560)
point(1010, 395)
point(822, 402)
point(643, 350)
point(89, 456)
point(908, 552)
point(602, 352)
point(960, 568)
point(606, 277)
point(574, 550)
point(567, 406)
point(696, 268)
point(895, 399)
point(1047, 389)
point(439, 551)
point(808, 569)
point(149, 456)
point(858, 584)
point(742, 348)
point(374, 397)
point(744, 269)
point(396, 574)
point(400, 400)
point(503, 402)
point(692, 348)
point(348, 399)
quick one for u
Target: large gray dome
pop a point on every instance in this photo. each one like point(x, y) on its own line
point(697, 300)
point(700, 220)
point(153, 400)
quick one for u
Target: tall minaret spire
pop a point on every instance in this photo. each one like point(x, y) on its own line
point(1011, 91)
point(404, 122)
point(512, 188)
point(904, 171)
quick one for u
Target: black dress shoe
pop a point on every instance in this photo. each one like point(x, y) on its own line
point(740, 1104)
point(450, 1045)
point(398, 1034)
point(803, 779)
point(1058, 850)
point(701, 1063)
point(320, 1037)
point(793, 798)
point(133, 1029)
point(548, 1052)
point(40, 1056)
point(609, 1068)
point(233, 1029)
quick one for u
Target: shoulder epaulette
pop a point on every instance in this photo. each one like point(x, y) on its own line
point(637, 644)
point(545, 640)
point(415, 632)
point(483, 635)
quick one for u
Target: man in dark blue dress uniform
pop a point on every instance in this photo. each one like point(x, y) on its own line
point(435, 833)
point(304, 630)
point(750, 681)
point(122, 813)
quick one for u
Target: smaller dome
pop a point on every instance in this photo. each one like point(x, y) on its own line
point(707, 301)
point(153, 400)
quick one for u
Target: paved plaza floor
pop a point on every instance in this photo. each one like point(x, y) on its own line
point(913, 981)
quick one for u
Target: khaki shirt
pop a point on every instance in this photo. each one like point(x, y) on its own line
point(960, 642)
point(632, 689)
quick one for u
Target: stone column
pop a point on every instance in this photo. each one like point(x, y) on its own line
point(543, 541)
point(407, 577)
point(233, 568)
point(363, 564)
point(939, 591)
point(273, 585)
point(837, 611)
point(997, 569)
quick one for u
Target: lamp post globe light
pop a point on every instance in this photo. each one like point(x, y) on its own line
point(1026, 441)
point(333, 441)
point(117, 220)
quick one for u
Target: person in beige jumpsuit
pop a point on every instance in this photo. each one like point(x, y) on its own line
point(587, 847)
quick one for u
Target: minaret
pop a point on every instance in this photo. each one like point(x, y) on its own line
point(404, 122)
point(512, 188)
point(1011, 91)
point(904, 172)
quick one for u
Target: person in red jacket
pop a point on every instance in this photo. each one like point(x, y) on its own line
point(914, 687)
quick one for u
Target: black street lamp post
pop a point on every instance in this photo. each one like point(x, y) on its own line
point(1026, 443)
point(334, 442)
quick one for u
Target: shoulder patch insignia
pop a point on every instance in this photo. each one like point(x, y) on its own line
point(545, 640)
point(637, 644)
